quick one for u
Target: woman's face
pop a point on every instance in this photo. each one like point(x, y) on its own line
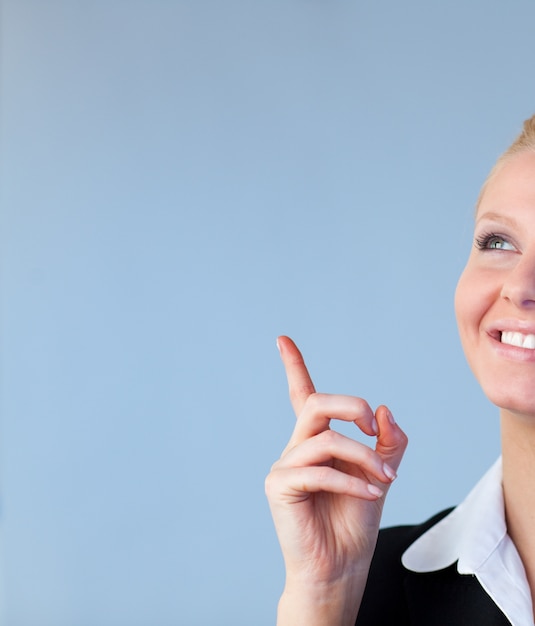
point(495, 297)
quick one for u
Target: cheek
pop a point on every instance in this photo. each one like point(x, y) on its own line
point(462, 300)
point(468, 317)
point(469, 304)
point(477, 292)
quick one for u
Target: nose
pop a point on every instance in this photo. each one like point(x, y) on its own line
point(519, 284)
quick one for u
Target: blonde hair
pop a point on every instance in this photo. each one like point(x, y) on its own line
point(525, 142)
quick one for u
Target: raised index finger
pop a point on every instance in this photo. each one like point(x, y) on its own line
point(300, 384)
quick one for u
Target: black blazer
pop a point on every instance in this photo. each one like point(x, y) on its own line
point(395, 596)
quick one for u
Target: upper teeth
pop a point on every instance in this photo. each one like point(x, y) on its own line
point(518, 339)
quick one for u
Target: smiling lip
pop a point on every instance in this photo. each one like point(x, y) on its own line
point(514, 339)
point(520, 340)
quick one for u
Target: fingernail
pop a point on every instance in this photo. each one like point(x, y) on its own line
point(389, 472)
point(375, 491)
point(278, 345)
point(374, 426)
point(390, 416)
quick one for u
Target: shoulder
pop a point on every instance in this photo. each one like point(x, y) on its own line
point(384, 597)
point(392, 542)
point(395, 596)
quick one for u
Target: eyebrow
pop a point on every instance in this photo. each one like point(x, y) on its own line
point(497, 217)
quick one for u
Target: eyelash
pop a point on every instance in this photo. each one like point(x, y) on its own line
point(483, 242)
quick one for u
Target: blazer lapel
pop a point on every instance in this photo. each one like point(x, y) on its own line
point(447, 598)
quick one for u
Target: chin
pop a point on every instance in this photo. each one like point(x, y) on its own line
point(516, 399)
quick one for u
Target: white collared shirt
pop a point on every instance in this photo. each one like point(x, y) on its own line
point(475, 536)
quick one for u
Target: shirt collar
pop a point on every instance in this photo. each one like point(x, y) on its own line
point(468, 534)
point(475, 536)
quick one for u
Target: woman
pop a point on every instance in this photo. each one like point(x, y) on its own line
point(475, 564)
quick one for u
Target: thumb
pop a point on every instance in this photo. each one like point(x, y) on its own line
point(391, 440)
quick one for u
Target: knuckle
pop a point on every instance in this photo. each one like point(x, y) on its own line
point(272, 483)
point(268, 484)
point(328, 439)
point(401, 439)
point(273, 467)
point(360, 405)
point(349, 483)
point(301, 391)
point(369, 459)
point(370, 456)
point(323, 474)
point(315, 400)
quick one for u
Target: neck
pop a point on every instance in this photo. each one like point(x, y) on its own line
point(518, 449)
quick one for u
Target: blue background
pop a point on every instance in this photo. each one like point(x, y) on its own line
point(181, 182)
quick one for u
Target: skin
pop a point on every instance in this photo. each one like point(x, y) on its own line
point(326, 495)
point(496, 292)
point(323, 490)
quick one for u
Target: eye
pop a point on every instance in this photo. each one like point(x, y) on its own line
point(493, 241)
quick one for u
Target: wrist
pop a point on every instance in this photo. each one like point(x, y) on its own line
point(318, 603)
